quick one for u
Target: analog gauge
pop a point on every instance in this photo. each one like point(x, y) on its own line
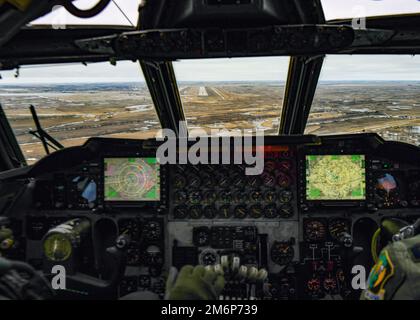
point(314, 285)
point(337, 227)
point(210, 197)
point(239, 197)
point(225, 196)
point(241, 212)
point(224, 181)
point(180, 197)
point(268, 180)
point(238, 181)
point(256, 196)
point(314, 230)
point(254, 181)
point(270, 196)
point(195, 197)
point(285, 166)
point(286, 211)
point(330, 284)
point(210, 212)
point(180, 212)
point(194, 181)
point(270, 211)
point(282, 253)
point(224, 212)
point(196, 212)
point(283, 180)
point(57, 247)
point(179, 181)
point(270, 166)
point(208, 257)
point(256, 211)
point(285, 196)
point(206, 179)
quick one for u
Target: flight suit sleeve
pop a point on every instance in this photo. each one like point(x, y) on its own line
point(396, 276)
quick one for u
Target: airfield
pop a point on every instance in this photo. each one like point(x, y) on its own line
point(73, 113)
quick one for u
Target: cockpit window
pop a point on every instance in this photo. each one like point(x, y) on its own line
point(368, 94)
point(76, 102)
point(117, 13)
point(226, 95)
point(339, 9)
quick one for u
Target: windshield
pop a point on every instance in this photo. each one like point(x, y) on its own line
point(368, 94)
point(232, 94)
point(75, 103)
point(339, 9)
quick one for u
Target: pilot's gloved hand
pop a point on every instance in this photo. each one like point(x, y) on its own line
point(194, 283)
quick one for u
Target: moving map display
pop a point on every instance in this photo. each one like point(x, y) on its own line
point(131, 179)
point(335, 177)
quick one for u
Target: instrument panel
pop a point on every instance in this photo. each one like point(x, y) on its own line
point(299, 219)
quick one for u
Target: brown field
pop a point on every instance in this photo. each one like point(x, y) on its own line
point(73, 113)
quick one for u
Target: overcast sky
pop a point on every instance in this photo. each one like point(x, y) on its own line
point(257, 69)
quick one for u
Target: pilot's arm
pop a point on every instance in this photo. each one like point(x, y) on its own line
point(396, 275)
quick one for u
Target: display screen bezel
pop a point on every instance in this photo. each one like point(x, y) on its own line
point(132, 202)
point(349, 200)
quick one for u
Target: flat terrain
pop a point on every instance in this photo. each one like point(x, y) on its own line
point(72, 113)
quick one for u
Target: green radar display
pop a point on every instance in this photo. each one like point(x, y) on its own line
point(131, 179)
point(335, 177)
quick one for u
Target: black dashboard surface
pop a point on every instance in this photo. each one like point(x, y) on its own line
point(280, 220)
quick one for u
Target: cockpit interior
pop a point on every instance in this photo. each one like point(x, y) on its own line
point(117, 212)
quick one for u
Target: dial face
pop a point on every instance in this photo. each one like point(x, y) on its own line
point(179, 181)
point(285, 196)
point(314, 230)
point(256, 195)
point(241, 212)
point(270, 196)
point(282, 253)
point(283, 180)
point(254, 181)
point(208, 257)
point(256, 211)
point(286, 211)
point(194, 181)
point(180, 197)
point(196, 212)
point(285, 166)
point(180, 212)
point(210, 197)
point(239, 197)
point(224, 212)
point(314, 285)
point(330, 284)
point(57, 247)
point(268, 180)
point(270, 211)
point(337, 227)
point(195, 197)
point(225, 196)
point(210, 212)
